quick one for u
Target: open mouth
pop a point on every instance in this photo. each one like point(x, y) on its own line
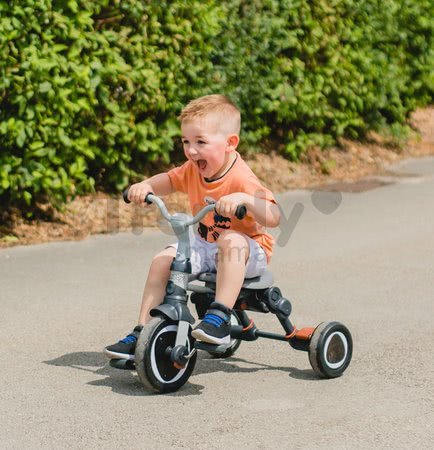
point(201, 163)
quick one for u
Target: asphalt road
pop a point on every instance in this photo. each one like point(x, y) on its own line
point(365, 259)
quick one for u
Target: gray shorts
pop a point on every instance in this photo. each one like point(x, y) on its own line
point(204, 256)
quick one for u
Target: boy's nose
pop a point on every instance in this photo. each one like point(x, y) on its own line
point(192, 151)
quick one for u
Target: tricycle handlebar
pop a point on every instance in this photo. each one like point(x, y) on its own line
point(240, 212)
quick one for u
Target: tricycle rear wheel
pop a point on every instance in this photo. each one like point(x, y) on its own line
point(330, 349)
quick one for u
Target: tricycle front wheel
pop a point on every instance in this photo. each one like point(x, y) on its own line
point(156, 370)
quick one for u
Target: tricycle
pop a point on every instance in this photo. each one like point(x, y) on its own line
point(166, 353)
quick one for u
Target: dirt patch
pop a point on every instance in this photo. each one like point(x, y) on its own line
point(365, 184)
point(335, 168)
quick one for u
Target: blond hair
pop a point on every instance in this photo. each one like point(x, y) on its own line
point(215, 105)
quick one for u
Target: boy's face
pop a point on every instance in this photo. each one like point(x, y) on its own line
point(208, 146)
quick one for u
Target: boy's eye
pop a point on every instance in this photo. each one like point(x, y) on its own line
point(184, 142)
point(201, 142)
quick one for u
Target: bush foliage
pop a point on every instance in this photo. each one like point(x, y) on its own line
point(90, 91)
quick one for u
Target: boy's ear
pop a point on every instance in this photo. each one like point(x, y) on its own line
point(233, 140)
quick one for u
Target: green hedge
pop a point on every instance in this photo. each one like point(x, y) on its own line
point(90, 91)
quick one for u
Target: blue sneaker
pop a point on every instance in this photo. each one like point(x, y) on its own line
point(125, 348)
point(216, 325)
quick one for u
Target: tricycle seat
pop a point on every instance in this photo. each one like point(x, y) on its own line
point(262, 282)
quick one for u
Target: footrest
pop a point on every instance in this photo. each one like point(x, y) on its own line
point(211, 347)
point(123, 364)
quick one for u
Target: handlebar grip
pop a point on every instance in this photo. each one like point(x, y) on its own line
point(127, 200)
point(240, 212)
point(125, 195)
point(148, 202)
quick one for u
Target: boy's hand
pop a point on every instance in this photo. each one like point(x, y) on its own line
point(138, 192)
point(227, 205)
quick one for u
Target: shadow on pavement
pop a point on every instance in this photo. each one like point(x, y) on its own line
point(208, 364)
point(126, 382)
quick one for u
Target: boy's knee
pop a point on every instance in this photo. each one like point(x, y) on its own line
point(232, 239)
point(162, 261)
point(232, 246)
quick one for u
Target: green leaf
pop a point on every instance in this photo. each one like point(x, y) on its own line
point(27, 196)
point(95, 81)
point(36, 145)
point(44, 87)
point(5, 183)
point(43, 64)
point(21, 138)
point(73, 5)
point(40, 153)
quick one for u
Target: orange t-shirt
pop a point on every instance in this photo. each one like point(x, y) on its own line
point(239, 178)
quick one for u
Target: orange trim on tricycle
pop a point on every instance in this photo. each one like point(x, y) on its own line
point(304, 333)
point(291, 335)
point(249, 326)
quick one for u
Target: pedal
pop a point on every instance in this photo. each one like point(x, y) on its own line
point(213, 348)
point(123, 364)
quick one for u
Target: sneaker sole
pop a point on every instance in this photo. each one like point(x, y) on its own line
point(202, 336)
point(114, 355)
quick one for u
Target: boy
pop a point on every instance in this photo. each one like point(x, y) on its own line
point(240, 249)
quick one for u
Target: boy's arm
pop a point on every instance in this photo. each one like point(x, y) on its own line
point(159, 184)
point(264, 211)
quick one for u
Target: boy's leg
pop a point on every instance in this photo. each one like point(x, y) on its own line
point(155, 286)
point(153, 295)
point(233, 254)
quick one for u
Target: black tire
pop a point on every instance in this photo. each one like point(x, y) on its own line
point(154, 367)
point(330, 349)
point(234, 344)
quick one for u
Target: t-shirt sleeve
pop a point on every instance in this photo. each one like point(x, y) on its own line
point(179, 176)
point(252, 186)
